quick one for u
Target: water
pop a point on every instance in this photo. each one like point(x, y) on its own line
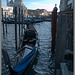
point(42, 62)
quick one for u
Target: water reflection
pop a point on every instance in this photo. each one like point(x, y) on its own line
point(41, 63)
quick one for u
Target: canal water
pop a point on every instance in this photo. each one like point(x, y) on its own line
point(41, 64)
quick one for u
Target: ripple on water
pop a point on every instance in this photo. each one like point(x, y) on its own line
point(44, 34)
point(41, 68)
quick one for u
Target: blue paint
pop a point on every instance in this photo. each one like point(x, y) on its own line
point(22, 65)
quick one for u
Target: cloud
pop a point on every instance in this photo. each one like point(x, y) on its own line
point(34, 3)
point(26, 2)
point(37, 5)
point(47, 6)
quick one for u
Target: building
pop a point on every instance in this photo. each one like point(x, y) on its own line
point(69, 4)
point(38, 12)
point(66, 4)
point(8, 10)
point(18, 4)
point(10, 3)
point(62, 5)
point(49, 12)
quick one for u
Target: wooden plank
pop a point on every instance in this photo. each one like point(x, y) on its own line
point(61, 39)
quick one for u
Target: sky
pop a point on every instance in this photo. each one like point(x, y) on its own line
point(38, 4)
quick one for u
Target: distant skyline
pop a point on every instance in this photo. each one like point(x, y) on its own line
point(38, 4)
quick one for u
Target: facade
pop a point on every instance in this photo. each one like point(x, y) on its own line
point(10, 3)
point(66, 4)
point(8, 10)
point(70, 4)
point(18, 4)
point(38, 12)
point(62, 5)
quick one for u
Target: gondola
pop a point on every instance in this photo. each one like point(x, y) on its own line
point(26, 54)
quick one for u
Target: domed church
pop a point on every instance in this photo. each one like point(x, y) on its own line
point(18, 4)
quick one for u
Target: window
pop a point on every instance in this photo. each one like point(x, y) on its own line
point(6, 13)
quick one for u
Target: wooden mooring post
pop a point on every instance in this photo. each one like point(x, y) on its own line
point(16, 27)
point(6, 22)
point(54, 25)
point(19, 27)
point(22, 21)
point(3, 22)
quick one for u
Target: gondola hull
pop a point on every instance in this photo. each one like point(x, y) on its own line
point(23, 64)
point(29, 52)
point(26, 54)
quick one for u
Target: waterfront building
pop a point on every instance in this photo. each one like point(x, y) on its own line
point(18, 4)
point(70, 4)
point(8, 10)
point(66, 4)
point(10, 3)
point(38, 12)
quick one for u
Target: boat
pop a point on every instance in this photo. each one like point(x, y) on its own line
point(26, 54)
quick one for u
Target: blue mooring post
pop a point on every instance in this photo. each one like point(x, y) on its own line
point(16, 27)
point(54, 25)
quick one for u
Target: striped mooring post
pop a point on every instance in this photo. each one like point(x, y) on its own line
point(54, 25)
